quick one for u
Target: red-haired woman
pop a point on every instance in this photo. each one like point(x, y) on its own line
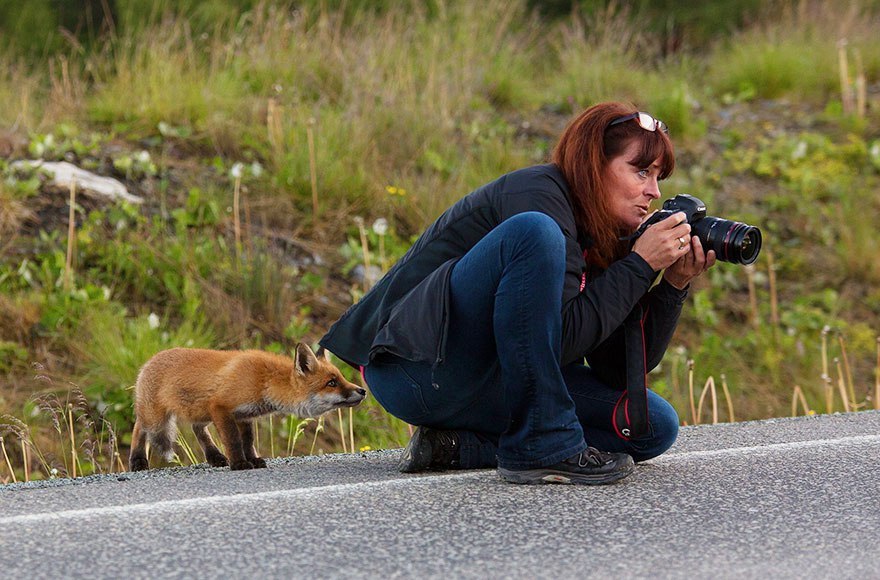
point(480, 332)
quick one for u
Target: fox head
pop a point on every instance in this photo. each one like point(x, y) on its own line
point(316, 386)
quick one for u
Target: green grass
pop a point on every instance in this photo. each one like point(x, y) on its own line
point(411, 105)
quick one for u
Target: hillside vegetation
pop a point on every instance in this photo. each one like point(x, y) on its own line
point(288, 152)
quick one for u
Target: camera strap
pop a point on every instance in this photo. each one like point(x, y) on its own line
point(630, 417)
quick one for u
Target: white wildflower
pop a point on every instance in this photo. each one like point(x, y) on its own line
point(380, 226)
point(237, 170)
point(153, 320)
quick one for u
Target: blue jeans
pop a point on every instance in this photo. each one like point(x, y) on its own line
point(501, 385)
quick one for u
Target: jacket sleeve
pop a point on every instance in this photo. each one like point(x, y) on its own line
point(664, 303)
point(595, 313)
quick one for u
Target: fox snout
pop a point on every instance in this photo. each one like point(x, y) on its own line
point(354, 397)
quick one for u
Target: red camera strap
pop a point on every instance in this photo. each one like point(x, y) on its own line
point(630, 417)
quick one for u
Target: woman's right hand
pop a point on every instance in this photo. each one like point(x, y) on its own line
point(663, 243)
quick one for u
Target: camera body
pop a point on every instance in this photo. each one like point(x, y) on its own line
point(693, 208)
point(732, 241)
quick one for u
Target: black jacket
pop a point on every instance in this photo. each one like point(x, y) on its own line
point(406, 312)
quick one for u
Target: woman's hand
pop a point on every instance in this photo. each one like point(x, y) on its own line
point(666, 243)
point(689, 266)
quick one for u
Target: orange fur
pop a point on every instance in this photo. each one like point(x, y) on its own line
point(230, 388)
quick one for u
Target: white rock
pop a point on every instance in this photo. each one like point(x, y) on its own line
point(63, 173)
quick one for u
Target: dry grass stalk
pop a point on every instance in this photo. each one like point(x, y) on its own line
point(798, 397)
point(71, 238)
point(365, 249)
point(313, 165)
point(248, 239)
point(846, 95)
point(825, 377)
point(318, 429)
point(753, 296)
point(690, 364)
point(119, 463)
point(25, 460)
point(342, 431)
point(847, 370)
point(709, 387)
point(727, 398)
point(8, 463)
point(273, 127)
point(73, 457)
point(187, 450)
point(351, 429)
point(271, 437)
point(829, 394)
point(841, 386)
point(236, 219)
point(861, 87)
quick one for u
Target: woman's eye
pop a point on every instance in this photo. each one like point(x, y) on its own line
point(643, 173)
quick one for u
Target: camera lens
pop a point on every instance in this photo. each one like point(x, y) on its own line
point(733, 242)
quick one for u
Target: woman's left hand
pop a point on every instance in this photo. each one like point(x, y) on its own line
point(689, 266)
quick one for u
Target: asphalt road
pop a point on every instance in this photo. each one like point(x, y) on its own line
point(788, 498)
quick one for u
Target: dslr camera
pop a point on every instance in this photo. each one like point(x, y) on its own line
point(733, 242)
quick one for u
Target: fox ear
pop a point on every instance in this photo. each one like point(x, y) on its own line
point(323, 353)
point(304, 360)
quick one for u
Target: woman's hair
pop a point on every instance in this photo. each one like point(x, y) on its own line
point(583, 153)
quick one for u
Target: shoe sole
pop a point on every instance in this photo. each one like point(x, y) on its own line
point(542, 476)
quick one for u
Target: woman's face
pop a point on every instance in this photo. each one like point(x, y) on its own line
point(631, 188)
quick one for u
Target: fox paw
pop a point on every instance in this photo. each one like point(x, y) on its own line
point(258, 462)
point(217, 460)
point(240, 465)
point(138, 464)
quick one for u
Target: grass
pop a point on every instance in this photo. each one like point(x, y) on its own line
point(337, 118)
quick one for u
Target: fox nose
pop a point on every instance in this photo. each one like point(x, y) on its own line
point(361, 392)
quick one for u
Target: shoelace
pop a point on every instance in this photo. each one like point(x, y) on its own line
point(592, 456)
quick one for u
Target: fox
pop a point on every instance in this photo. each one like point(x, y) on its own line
point(230, 389)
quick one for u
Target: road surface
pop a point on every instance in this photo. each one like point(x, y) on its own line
point(787, 498)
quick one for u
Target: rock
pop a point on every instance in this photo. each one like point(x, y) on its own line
point(63, 173)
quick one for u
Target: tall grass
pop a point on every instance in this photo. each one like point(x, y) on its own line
point(795, 55)
point(395, 111)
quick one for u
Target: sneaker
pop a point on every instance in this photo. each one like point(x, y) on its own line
point(430, 449)
point(589, 467)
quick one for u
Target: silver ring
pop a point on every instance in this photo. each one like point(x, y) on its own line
point(681, 242)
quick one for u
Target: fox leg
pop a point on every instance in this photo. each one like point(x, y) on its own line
point(137, 459)
point(213, 455)
point(247, 442)
point(231, 437)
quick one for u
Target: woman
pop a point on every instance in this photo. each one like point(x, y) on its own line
point(479, 333)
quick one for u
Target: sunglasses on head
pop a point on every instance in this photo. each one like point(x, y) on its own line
point(645, 121)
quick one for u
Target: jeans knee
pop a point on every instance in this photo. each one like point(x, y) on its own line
point(664, 430)
point(538, 232)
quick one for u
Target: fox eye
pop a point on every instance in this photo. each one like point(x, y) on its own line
point(332, 384)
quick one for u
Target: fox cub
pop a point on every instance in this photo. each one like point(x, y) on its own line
point(230, 388)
